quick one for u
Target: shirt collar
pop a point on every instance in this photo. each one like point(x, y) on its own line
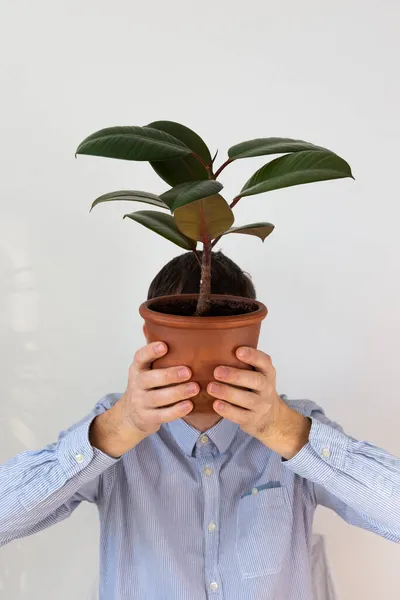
point(186, 436)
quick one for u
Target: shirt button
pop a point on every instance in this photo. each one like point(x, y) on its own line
point(214, 586)
point(326, 453)
point(208, 471)
point(79, 458)
point(204, 439)
point(212, 527)
point(254, 491)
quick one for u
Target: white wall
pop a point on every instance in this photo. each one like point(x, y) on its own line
point(70, 283)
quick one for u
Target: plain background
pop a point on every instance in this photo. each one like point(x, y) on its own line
point(71, 283)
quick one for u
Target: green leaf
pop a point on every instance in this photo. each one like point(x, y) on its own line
point(185, 193)
point(273, 145)
point(211, 216)
point(261, 230)
point(164, 225)
point(133, 143)
point(296, 169)
point(131, 196)
point(181, 170)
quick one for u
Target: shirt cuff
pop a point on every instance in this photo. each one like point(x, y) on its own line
point(73, 457)
point(76, 454)
point(324, 454)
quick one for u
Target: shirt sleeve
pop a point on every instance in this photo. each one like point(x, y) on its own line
point(359, 481)
point(42, 487)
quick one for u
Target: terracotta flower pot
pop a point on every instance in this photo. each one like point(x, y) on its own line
point(202, 343)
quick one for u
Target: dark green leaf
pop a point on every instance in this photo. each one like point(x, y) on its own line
point(185, 193)
point(133, 143)
point(296, 169)
point(273, 145)
point(164, 225)
point(181, 170)
point(130, 196)
point(211, 216)
point(261, 230)
point(188, 137)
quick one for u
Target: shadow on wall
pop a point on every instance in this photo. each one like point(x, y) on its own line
point(18, 390)
point(30, 385)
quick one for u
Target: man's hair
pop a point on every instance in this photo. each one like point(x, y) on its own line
point(181, 275)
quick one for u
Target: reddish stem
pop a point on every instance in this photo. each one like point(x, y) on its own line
point(207, 167)
point(216, 241)
point(222, 167)
point(204, 300)
point(234, 201)
point(203, 162)
point(197, 255)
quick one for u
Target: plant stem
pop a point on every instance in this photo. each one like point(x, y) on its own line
point(207, 167)
point(215, 156)
point(222, 167)
point(216, 241)
point(234, 201)
point(203, 162)
point(197, 255)
point(204, 301)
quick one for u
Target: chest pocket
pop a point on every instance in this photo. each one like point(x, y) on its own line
point(264, 524)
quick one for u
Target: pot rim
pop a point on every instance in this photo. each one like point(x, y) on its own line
point(184, 322)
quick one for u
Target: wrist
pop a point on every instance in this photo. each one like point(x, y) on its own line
point(110, 433)
point(291, 433)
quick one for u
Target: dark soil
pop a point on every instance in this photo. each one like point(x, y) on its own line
point(219, 308)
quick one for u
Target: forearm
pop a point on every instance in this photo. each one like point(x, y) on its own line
point(38, 488)
point(112, 433)
point(364, 478)
point(288, 434)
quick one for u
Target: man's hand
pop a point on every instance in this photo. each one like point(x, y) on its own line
point(249, 398)
point(146, 404)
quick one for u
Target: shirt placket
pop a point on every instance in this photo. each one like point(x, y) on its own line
point(209, 469)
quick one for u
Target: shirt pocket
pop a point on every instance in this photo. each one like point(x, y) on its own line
point(264, 524)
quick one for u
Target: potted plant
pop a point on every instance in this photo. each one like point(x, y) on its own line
point(204, 330)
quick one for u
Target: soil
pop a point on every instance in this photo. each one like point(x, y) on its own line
point(219, 308)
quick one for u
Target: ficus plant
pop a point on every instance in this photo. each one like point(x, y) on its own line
point(193, 209)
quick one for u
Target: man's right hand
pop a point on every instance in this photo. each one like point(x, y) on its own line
point(153, 397)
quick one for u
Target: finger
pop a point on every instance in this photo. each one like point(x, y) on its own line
point(172, 413)
point(148, 354)
point(155, 378)
point(244, 378)
point(173, 394)
point(233, 395)
point(256, 358)
point(232, 413)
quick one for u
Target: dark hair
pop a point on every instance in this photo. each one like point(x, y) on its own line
point(181, 275)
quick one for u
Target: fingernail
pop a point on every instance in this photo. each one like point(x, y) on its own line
point(220, 406)
point(191, 388)
point(221, 372)
point(187, 406)
point(160, 348)
point(214, 387)
point(242, 352)
point(183, 373)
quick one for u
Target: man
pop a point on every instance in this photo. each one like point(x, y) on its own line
point(222, 510)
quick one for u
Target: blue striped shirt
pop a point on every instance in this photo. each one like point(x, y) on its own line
point(214, 516)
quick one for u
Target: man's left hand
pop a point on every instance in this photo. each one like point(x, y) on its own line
point(249, 398)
